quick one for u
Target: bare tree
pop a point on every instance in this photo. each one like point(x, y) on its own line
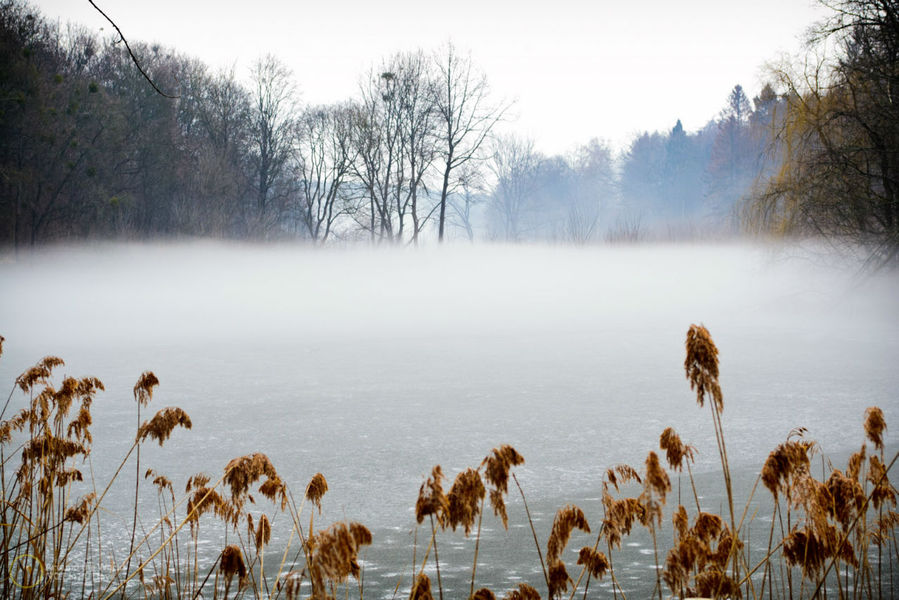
point(274, 109)
point(323, 159)
point(395, 139)
point(466, 117)
point(514, 165)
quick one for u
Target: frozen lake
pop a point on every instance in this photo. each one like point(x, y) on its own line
point(371, 366)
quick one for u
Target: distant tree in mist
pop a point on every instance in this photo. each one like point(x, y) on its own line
point(466, 115)
point(273, 111)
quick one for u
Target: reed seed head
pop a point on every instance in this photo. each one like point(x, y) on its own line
point(715, 584)
point(81, 511)
point(621, 474)
point(523, 592)
point(464, 500)
point(162, 424)
point(701, 366)
point(39, 373)
point(263, 532)
point(244, 471)
point(558, 578)
point(499, 462)
point(483, 594)
point(676, 452)
point(883, 491)
point(143, 389)
point(335, 551)
point(421, 589)
point(431, 499)
point(567, 519)
point(788, 462)
point(875, 426)
point(231, 563)
point(316, 490)
point(595, 562)
point(656, 478)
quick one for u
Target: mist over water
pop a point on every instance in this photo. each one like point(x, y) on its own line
point(373, 365)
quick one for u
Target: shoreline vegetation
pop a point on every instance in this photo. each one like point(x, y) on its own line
point(830, 537)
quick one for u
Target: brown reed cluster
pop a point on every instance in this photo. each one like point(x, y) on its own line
point(464, 500)
point(421, 589)
point(676, 452)
point(875, 426)
point(431, 499)
point(523, 592)
point(701, 365)
point(333, 555)
point(567, 520)
point(498, 465)
point(697, 564)
point(316, 489)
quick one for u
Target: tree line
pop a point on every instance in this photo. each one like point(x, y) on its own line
point(92, 151)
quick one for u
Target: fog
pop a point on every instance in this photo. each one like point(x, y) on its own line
point(373, 365)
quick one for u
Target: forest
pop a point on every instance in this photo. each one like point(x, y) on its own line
point(92, 151)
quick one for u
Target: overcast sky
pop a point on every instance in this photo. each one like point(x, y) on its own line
point(576, 69)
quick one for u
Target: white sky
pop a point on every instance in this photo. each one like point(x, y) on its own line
point(577, 69)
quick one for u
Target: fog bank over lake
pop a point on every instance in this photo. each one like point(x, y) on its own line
point(373, 365)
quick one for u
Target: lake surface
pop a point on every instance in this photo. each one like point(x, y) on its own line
point(371, 366)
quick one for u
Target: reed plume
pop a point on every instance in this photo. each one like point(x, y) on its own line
point(316, 489)
point(498, 464)
point(523, 592)
point(701, 366)
point(567, 519)
point(596, 563)
point(421, 589)
point(875, 426)
point(676, 452)
point(230, 564)
point(483, 594)
point(162, 424)
point(244, 471)
point(143, 389)
point(464, 500)
point(431, 499)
